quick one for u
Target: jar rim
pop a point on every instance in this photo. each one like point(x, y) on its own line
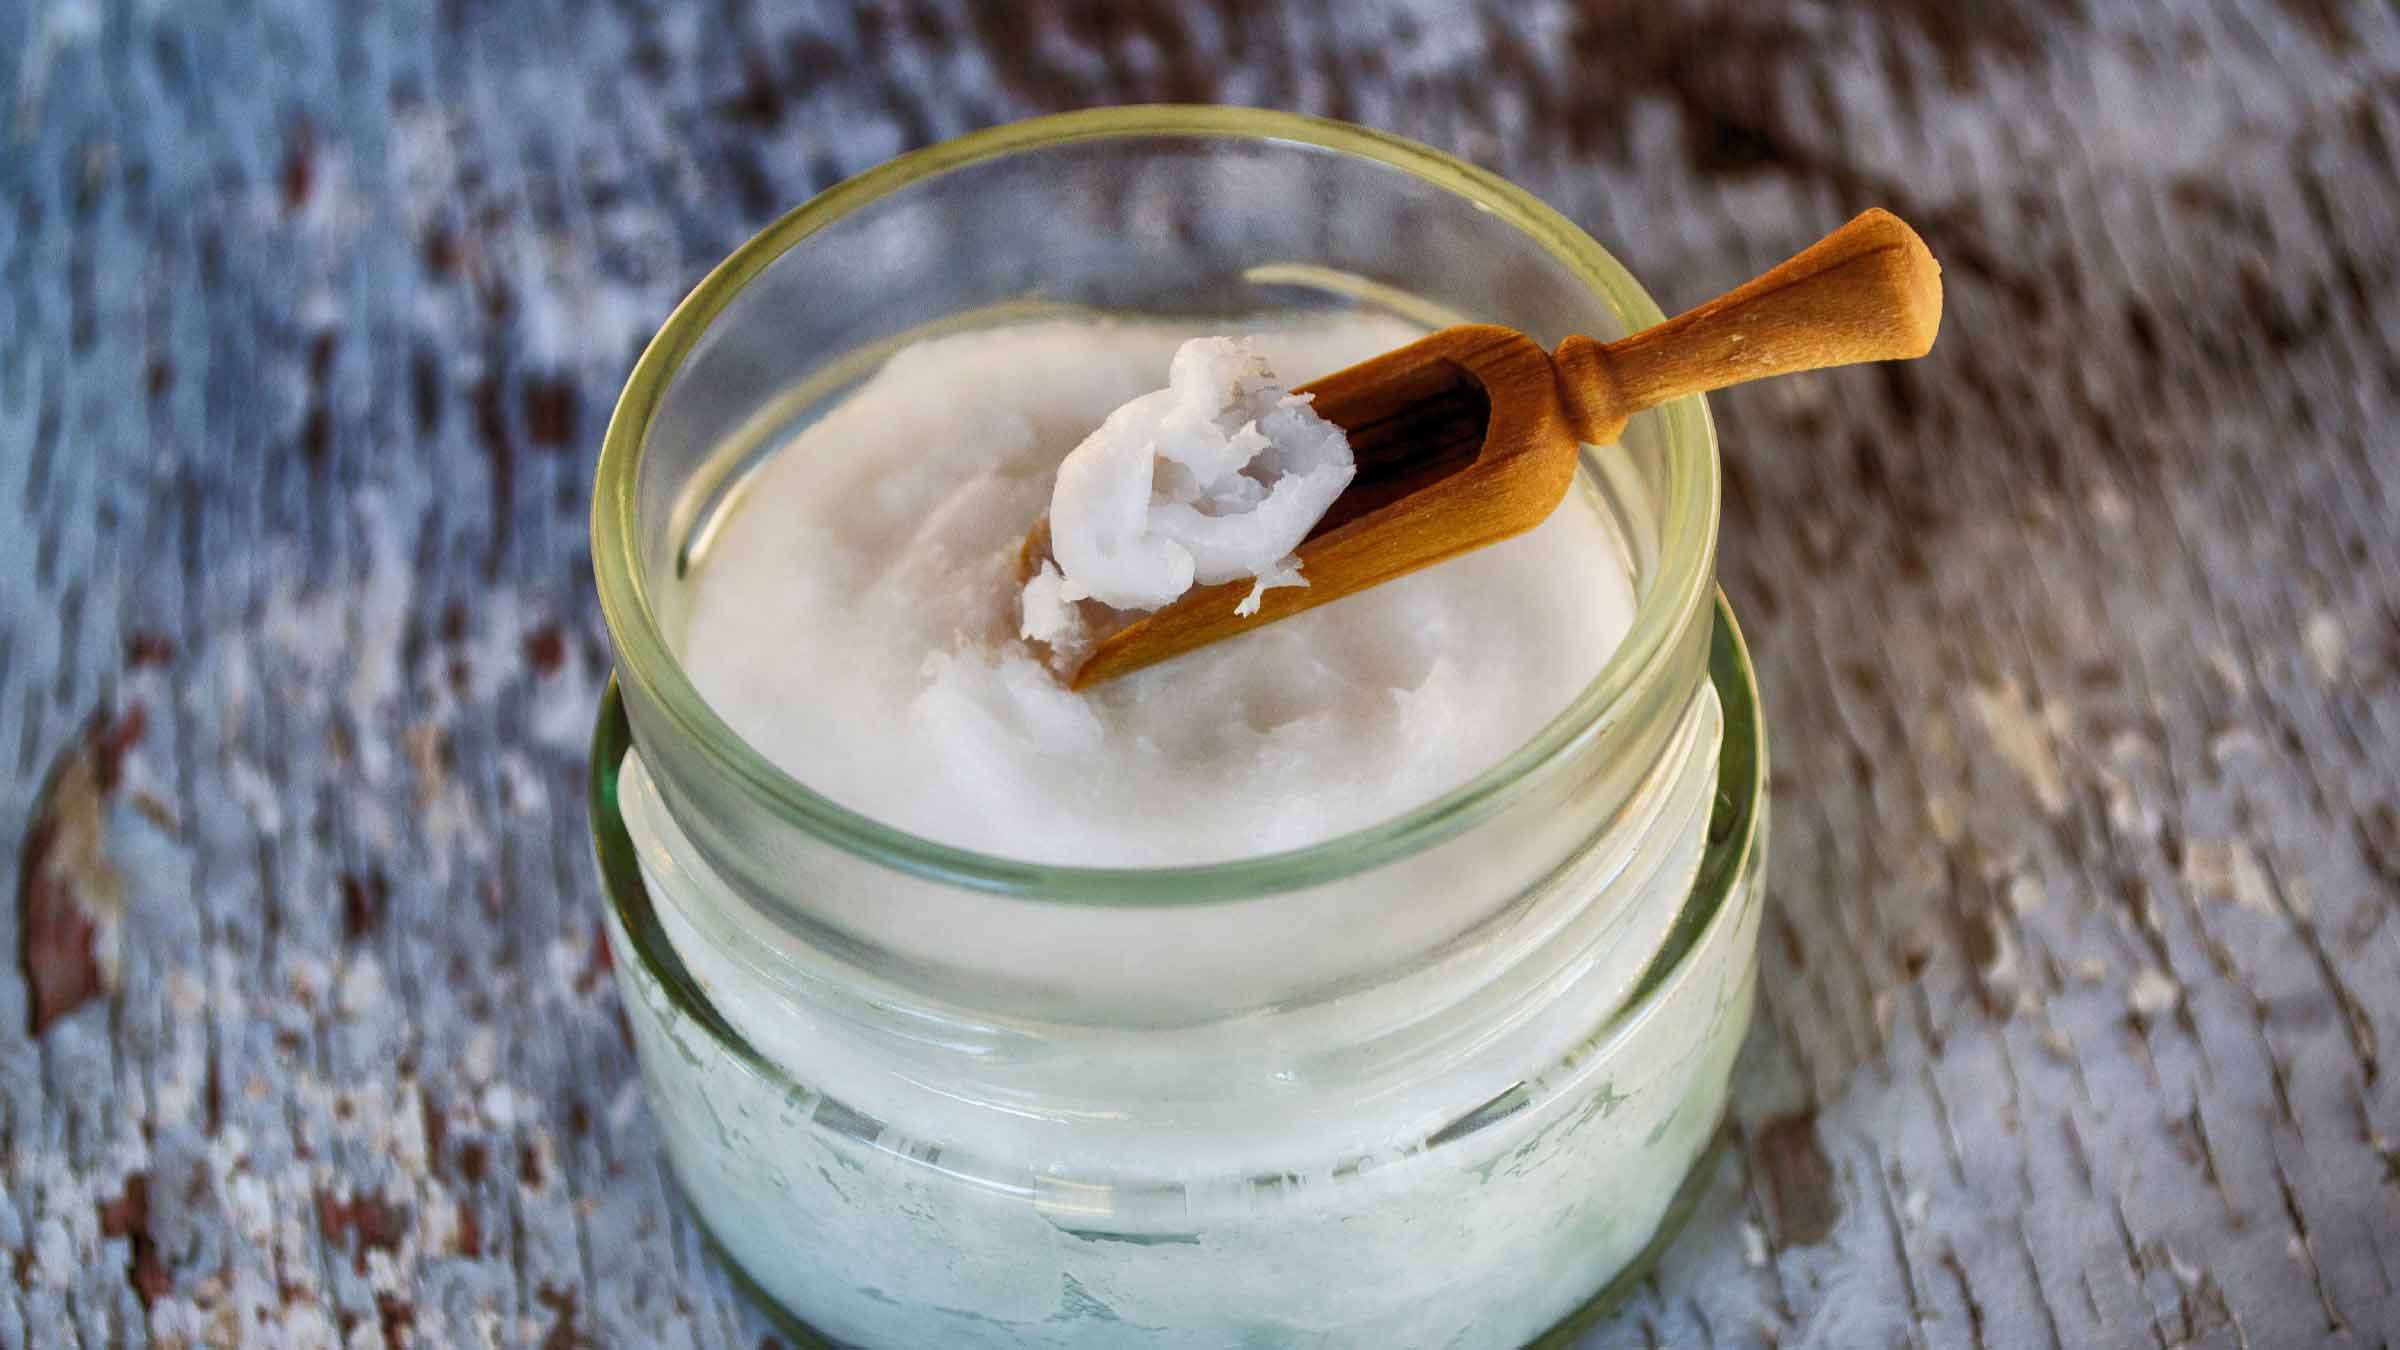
point(647, 662)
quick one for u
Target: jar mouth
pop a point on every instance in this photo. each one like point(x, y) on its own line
point(1677, 598)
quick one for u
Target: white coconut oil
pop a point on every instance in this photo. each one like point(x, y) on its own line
point(856, 618)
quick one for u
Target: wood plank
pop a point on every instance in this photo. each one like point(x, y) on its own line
point(2081, 642)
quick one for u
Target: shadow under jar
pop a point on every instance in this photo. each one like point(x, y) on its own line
point(1436, 1082)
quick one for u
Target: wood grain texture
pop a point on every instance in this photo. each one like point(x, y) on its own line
point(2080, 643)
point(1869, 291)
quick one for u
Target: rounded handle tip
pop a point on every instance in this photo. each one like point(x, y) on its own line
point(1912, 278)
point(1869, 291)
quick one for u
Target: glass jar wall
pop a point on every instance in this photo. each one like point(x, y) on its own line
point(1435, 1082)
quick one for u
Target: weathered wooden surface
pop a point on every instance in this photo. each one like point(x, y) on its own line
point(2081, 642)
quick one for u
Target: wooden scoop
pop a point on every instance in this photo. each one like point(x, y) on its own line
point(1472, 434)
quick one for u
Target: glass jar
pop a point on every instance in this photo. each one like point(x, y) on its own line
point(1437, 1082)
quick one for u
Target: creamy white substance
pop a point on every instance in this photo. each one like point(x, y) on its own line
point(1218, 476)
point(857, 616)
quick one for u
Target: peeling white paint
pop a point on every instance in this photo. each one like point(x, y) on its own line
point(2026, 736)
point(361, 993)
point(482, 1057)
point(2225, 867)
point(256, 793)
point(2152, 992)
point(2328, 645)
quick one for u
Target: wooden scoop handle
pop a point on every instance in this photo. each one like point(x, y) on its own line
point(1869, 291)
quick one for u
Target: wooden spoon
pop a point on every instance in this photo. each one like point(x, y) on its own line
point(1472, 434)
